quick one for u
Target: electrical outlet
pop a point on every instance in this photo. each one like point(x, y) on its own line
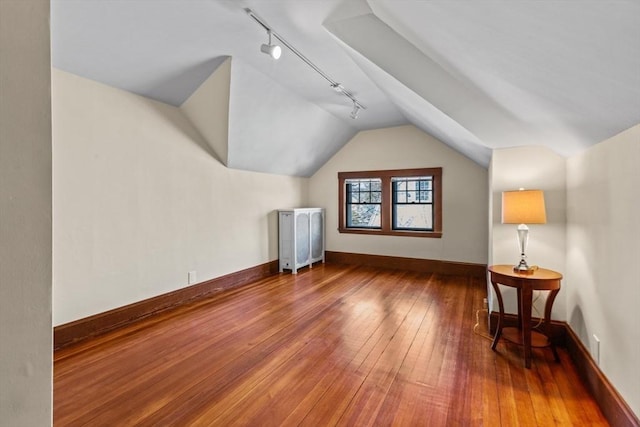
point(192, 277)
point(595, 350)
point(485, 304)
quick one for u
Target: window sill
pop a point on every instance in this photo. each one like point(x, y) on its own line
point(431, 234)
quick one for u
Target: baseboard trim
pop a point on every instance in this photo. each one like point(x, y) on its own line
point(92, 326)
point(410, 264)
point(612, 405)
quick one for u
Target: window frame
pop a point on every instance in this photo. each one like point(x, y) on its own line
point(386, 209)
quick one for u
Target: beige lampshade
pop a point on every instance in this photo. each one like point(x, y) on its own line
point(523, 207)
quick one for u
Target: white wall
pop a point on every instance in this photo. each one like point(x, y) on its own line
point(25, 214)
point(603, 255)
point(464, 190)
point(140, 200)
point(530, 168)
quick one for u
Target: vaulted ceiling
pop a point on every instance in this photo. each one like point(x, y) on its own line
point(476, 74)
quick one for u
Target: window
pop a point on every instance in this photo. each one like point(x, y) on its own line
point(405, 202)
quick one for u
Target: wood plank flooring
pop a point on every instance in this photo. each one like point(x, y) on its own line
point(333, 345)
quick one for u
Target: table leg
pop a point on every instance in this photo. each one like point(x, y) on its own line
point(519, 300)
point(524, 302)
point(547, 321)
point(496, 338)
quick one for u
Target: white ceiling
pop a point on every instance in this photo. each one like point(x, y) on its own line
point(476, 74)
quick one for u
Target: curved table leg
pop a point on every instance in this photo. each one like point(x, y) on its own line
point(547, 321)
point(496, 338)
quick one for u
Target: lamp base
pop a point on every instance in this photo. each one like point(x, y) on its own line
point(524, 269)
point(523, 238)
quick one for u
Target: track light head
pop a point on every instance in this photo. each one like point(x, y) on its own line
point(338, 87)
point(355, 111)
point(273, 50)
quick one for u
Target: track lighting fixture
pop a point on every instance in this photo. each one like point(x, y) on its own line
point(275, 51)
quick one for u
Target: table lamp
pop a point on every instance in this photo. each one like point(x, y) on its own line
point(523, 207)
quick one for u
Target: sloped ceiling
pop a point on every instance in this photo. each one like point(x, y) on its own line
point(476, 74)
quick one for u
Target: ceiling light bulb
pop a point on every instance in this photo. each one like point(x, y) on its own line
point(276, 52)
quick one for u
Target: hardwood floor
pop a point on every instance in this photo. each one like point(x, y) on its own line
point(334, 345)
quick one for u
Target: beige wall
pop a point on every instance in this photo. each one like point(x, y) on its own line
point(207, 102)
point(140, 200)
point(464, 195)
point(603, 254)
point(25, 214)
point(529, 168)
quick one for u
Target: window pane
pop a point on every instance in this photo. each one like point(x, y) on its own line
point(363, 216)
point(413, 189)
point(363, 202)
point(413, 217)
point(425, 196)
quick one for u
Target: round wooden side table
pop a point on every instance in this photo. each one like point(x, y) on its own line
point(525, 283)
